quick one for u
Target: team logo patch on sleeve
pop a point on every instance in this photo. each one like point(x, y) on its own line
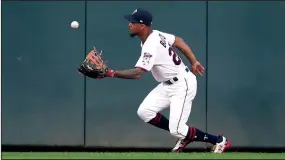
point(146, 58)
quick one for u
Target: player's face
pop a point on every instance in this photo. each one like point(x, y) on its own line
point(135, 29)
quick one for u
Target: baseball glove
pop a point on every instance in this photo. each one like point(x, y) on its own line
point(93, 66)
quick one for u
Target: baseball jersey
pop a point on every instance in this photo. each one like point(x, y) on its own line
point(159, 57)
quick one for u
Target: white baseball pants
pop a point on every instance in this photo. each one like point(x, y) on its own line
point(178, 97)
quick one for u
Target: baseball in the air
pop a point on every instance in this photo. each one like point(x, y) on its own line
point(74, 24)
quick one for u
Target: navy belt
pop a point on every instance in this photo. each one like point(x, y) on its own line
point(175, 79)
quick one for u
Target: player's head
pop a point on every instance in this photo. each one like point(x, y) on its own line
point(139, 21)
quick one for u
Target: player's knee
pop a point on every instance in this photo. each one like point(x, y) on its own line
point(145, 114)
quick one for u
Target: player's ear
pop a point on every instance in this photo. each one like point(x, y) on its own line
point(142, 26)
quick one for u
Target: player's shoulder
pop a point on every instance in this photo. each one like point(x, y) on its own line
point(152, 41)
point(154, 38)
point(163, 33)
point(159, 31)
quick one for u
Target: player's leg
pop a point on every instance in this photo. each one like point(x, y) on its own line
point(154, 102)
point(182, 93)
point(180, 108)
point(188, 134)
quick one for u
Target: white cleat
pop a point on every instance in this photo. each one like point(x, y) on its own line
point(222, 146)
point(180, 145)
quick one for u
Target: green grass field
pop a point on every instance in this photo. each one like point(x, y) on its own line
point(131, 155)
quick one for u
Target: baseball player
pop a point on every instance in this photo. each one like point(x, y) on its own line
point(177, 84)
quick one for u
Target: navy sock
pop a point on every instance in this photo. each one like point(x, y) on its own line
point(197, 135)
point(160, 121)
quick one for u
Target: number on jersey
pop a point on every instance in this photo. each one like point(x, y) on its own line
point(175, 58)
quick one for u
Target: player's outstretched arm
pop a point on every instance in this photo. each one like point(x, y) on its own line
point(185, 49)
point(135, 73)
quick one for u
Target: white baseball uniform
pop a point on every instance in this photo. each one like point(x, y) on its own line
point(159, 57)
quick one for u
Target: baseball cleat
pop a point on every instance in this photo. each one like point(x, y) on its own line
point(180, 145)
point(221, 146)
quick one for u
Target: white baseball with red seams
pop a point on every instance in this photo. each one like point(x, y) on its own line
point(74, 24)
point(159, 57)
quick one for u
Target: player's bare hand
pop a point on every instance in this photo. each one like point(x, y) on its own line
point(197, 68)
